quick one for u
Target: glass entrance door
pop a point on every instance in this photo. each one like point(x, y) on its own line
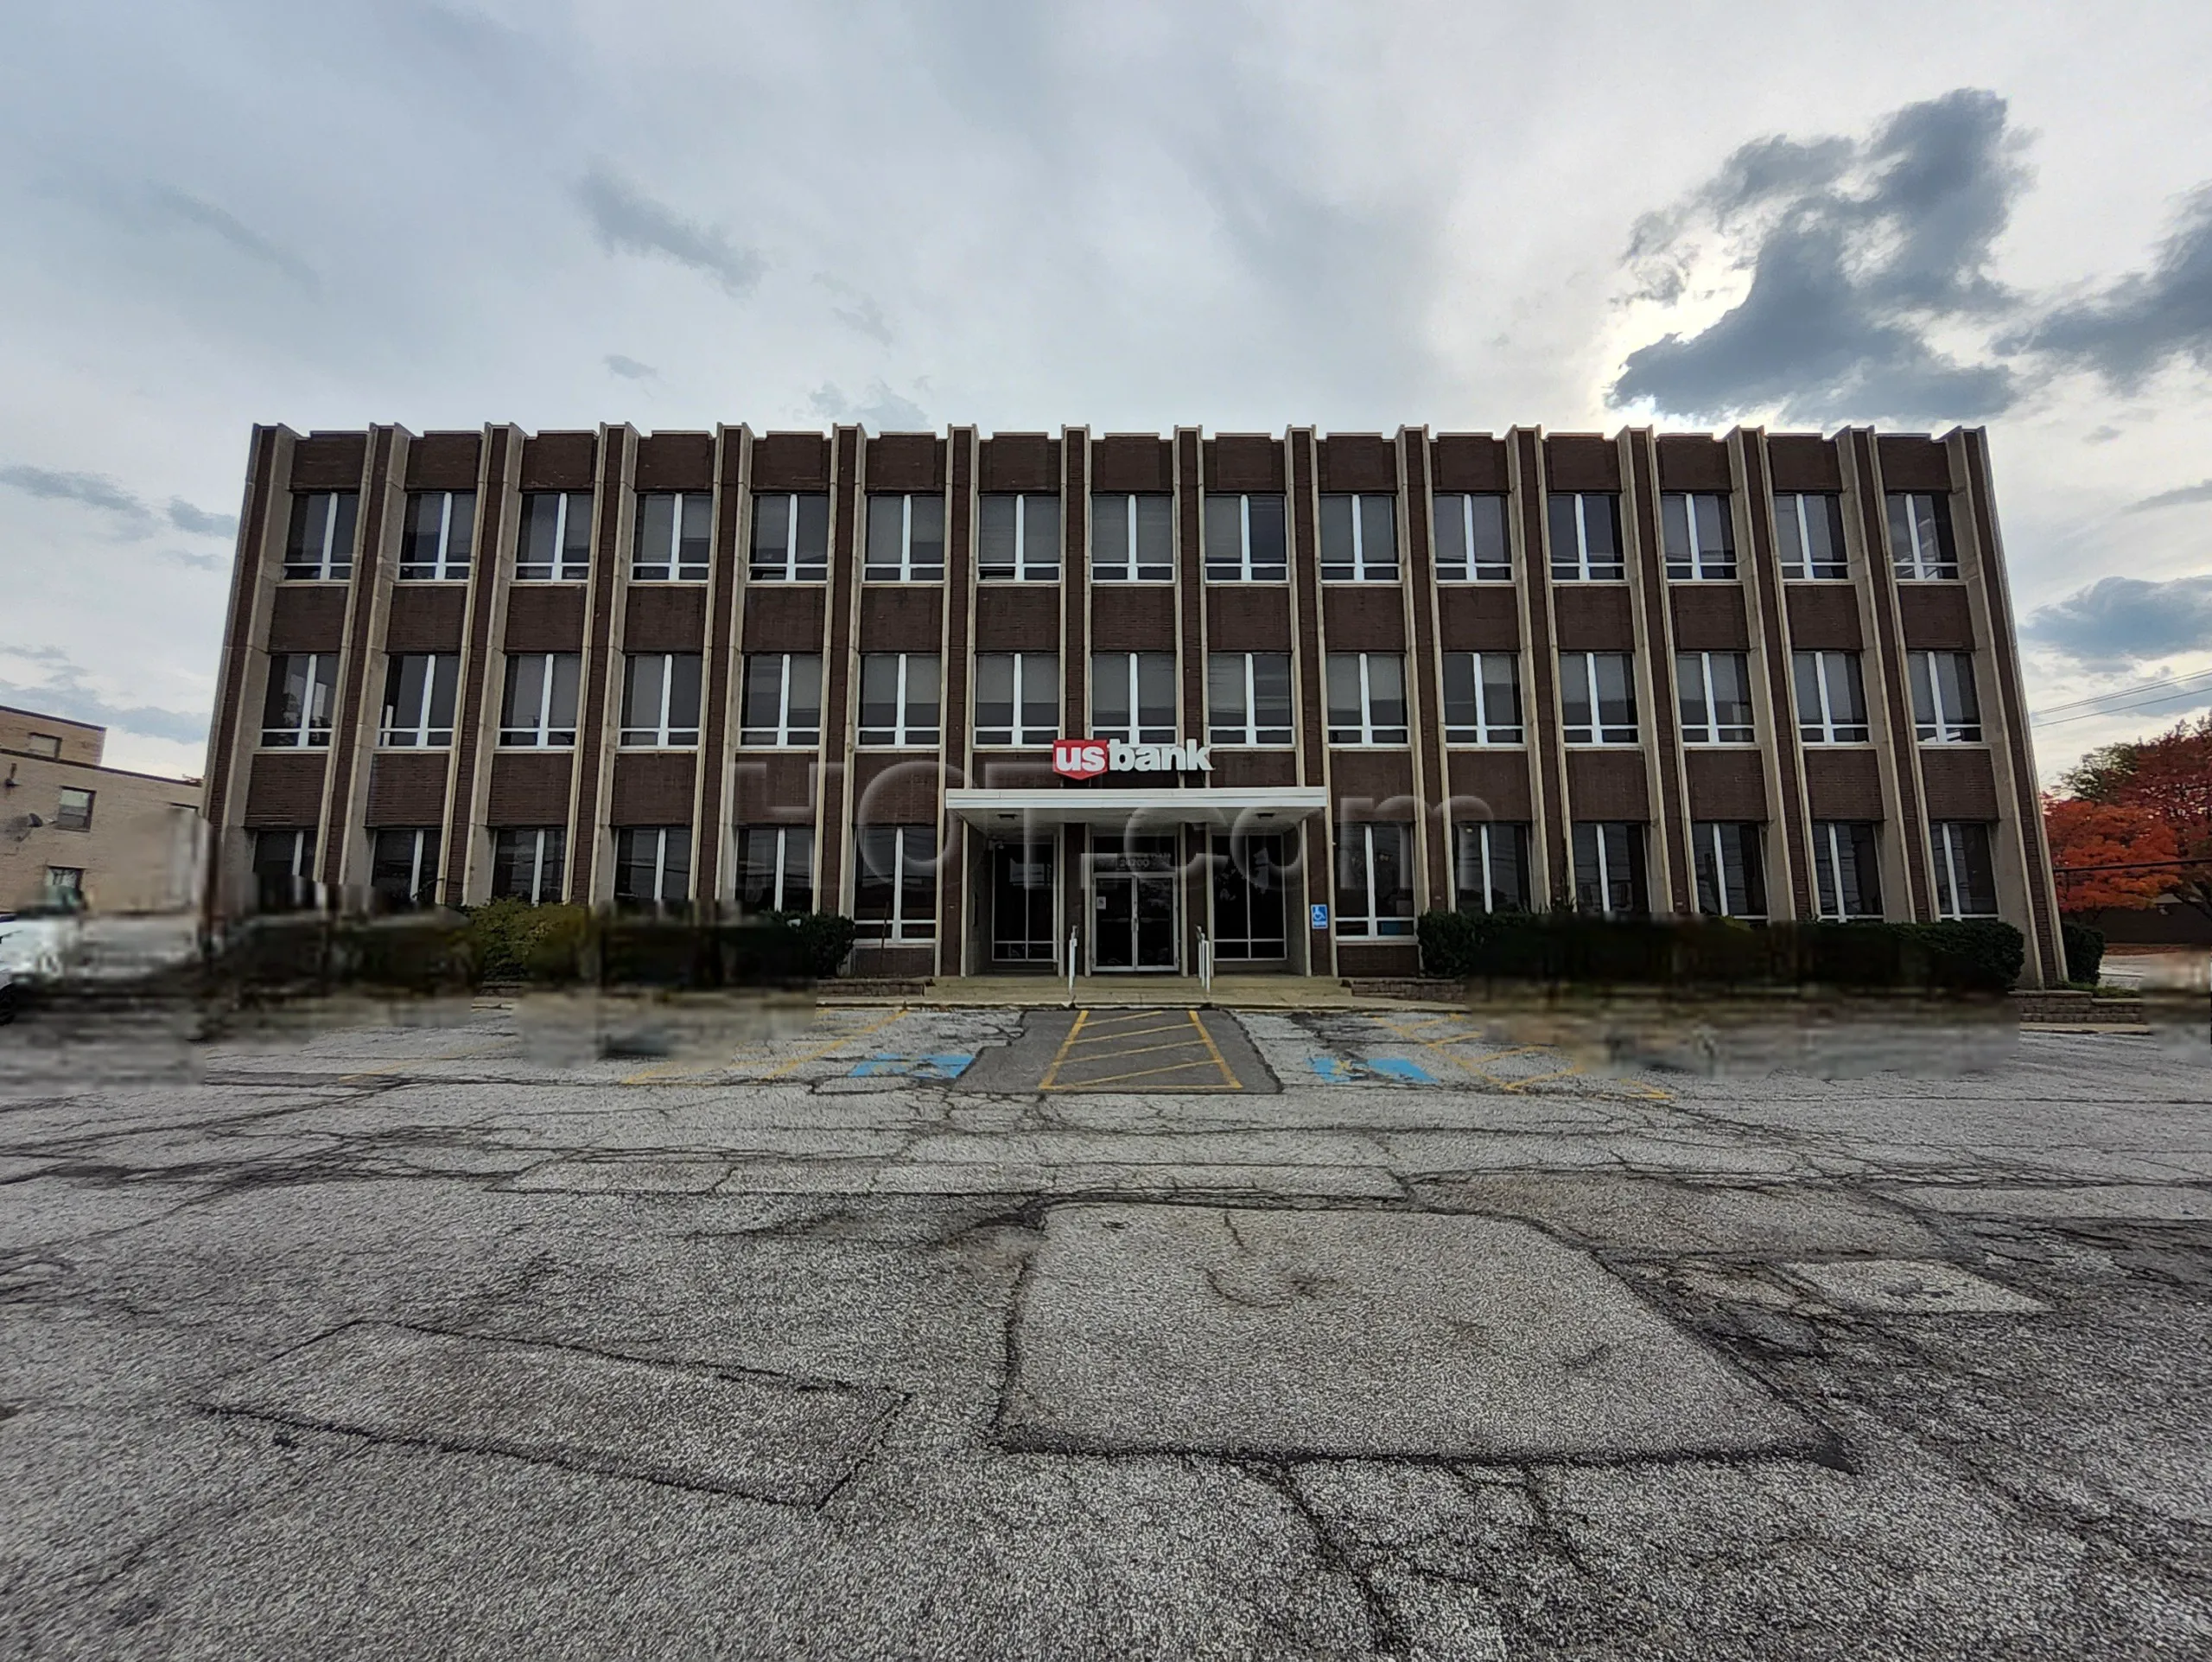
point(1133, 901)
point(1248, 899)
point(1021, 902)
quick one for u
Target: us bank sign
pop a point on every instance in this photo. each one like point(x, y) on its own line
point(1088, 758)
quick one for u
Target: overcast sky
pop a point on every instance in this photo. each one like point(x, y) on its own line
point(1118, 214)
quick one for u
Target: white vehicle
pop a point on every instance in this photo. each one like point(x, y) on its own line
point(7, 997)
point(42, 942)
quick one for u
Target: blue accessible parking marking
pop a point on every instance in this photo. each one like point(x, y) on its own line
point(950, 1066)
point(1335, 1070)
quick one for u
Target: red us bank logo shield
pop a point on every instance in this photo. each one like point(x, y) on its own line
point(1079, 758)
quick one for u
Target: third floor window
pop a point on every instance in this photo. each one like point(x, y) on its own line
point(302, 691)
point(1714, 689)
point(1018, 539)
point(320, 544)
point(1017, 697)
point(898, 699)
point(1359, 538)
point(1133, 538)
point(791, 537)
point(538, 706)
point(439, 533)
point(1921, 541)
point(554, 543)
point(1831, 698)
point(660, 700)
point(1699, 534)
point(1248, 698)
point(1133, 697)
point(1945, 709)
point(782, 702)
point(1471, 545)
point(1586, 529)
point(1597, 697)
point(1809, 535)
point(1367, 698)
point(419, 690)
point(673, 531)
point(1482, 699)
point(906, 539)
point(1244, 539)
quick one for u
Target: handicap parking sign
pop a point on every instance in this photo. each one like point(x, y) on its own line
point(1320, 916)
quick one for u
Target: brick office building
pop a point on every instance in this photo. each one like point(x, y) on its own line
point(1772, 675)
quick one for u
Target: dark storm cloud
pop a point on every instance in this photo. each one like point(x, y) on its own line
point(61, 692)
point(2146, 319)
point(1855, 250)
point(2174, 499)
point(98, 491)
point(168, 202)
point(627, 221)
point(2118, 621)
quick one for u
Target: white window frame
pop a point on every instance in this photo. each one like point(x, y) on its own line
point(783, 834)
point(1692, 568)
point(871, 572)
point(1027, 568)
point(1597, 734)
point(1487, 730)
point(1016, 737)
point(329, 566)
point(898, 928)
point(68, 877)
point(1710, 731)
point(1719, 850)
point(423, 835)
point(444, 566)
point(1944, 839)
point(1372, 924)
point(1245, 572)
point(1471, 570)
point(660, 835)
point(559, 570)
point(1828, 839)
point(1837, 570)
point(541, 879)
point(1136, 732)
point(539, 736)
point(793, 570)
point(402, 733)
point(1923, 561)
point(782, 734)
point(303, 855)
point(1126, 565)
point(1582, 572)
point(1362, 568)
point(904, 736)
point(668, 562)
point(1822, 728)
point(1606, 906)
point(66, 820)
point(661, 734)
point(1369, 732)
point(1248, 736)
point(306, 736)
point(1474, 836)
point(1941, 726)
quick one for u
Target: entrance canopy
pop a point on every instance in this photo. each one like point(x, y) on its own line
point(1251, 809)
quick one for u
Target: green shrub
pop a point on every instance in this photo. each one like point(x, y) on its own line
point(514, 940)
point(2085, 951)
point(1976, 954)
point(413, 952)
point(824, 940)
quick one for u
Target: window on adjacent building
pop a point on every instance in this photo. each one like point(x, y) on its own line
point(1597, 697)
point(1714, 692)
point(1248, 698)
point(653, 865)
point(899, 700)
point(1244, 539)
point(1585, 527)
point(67, 880)
point(660, 700)
point(1133, 538)
point(1609, 876)
point(302, 690)
point(1374, 884)
point(553, 544)
point(537, 707)
point(419, 692)
point(1482, 699)
point(791, 537)
point(283, 867)
point(1699, 535)
point(1846, 868)
point(894, 887)
point(75, 811)
point(320, 545)
point(781, 705)
point(403, 866)
point(1965, 878)
point(775, 868)
point(43, 744)
point(1731, 875)
point(1471, 545)
point(1945, 708)
point(439, 534)
point(1831, 698)
point(530, 862)
point(1491, 867)
point(1359, 538)
point(1367, 697)
point(1808, 534)
point(1133, 697)
point(1921, 542)
point(906, 539)
point(675, 530)
point(1017, 697)
point(1018, 539)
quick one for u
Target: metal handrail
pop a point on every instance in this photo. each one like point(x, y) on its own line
point(1070, 969)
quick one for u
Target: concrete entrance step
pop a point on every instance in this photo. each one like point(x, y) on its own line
point(1097, 992)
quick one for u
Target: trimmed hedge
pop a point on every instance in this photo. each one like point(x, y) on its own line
point(2085, 951)
point(1979, 955)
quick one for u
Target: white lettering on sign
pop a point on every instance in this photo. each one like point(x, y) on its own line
point(1088, 758)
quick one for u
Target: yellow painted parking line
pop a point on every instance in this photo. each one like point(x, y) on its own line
point(838, 1043)
point(1067, 1044)
point(680, 1073)
point(1214, 1050)
point(1145, 1073)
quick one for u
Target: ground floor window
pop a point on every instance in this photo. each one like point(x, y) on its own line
point(1731, 877)
point(894, 885)
point(67, 880)
point(283, 867)
point(1375, 882)
point(404, 867)
point(530, 862)
point(1965, 878)
point(1609, 875)
point(1022, 924)
point(775, 868)
point(1492, 860)
point(653, 865)
point(1250, 909)
point(1846, 871)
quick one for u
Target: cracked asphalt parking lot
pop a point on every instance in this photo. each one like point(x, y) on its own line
point(564, 1331)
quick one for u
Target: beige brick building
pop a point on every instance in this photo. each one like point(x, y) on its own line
point(127, 842)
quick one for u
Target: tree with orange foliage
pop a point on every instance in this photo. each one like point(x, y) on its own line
point(2169, 779)
point(2084, 833)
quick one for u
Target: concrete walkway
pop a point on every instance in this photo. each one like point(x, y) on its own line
point(1094, 991)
